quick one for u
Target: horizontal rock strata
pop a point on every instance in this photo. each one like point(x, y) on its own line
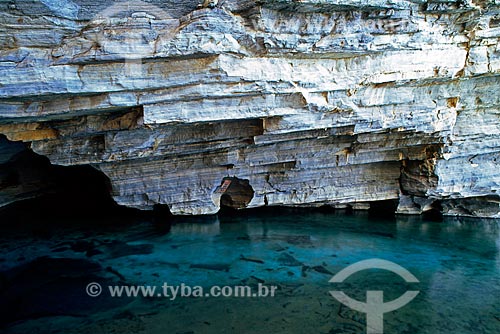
point(313, 102)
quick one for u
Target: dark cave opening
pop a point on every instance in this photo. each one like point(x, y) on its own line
point(435, 213)
point(32, 189)
point(235, 193)
point(385, 209)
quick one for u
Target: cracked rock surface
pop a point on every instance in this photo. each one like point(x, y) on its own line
point(313, 102)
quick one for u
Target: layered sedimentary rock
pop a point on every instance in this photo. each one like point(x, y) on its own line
point(313, 102)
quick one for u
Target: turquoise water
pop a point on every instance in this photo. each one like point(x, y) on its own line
point(45, 271)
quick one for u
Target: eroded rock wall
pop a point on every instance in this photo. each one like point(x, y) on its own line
point(314, 102)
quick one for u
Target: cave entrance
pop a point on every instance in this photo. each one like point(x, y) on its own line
point(33, 188)
point(233, 193)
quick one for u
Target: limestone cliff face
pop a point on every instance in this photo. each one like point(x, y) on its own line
point(313, 102)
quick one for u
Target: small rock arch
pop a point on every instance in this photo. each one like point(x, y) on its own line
point(233, 193)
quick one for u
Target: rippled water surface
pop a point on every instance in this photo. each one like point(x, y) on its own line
point(45, 269)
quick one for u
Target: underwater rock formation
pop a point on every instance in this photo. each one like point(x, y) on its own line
point(315, 102)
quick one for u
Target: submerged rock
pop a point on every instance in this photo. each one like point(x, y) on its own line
point(250, 259)
point(288, 260)
point(322, 270)
point(211, 266)
point(116, 249)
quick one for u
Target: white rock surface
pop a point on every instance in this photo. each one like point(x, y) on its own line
point(314, 102)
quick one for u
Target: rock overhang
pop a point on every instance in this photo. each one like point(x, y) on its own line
point(314, 103)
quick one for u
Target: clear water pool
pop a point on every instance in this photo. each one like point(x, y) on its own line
point(45, 271)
